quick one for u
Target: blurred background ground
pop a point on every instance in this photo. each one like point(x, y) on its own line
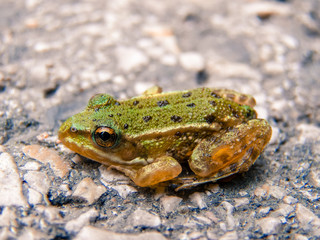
point(54, 55)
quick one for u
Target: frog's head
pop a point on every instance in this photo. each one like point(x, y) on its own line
point(91, 134)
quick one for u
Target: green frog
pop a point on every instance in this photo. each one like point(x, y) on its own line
point(215, 131)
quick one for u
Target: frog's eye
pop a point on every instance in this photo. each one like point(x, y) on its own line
point(105, 137)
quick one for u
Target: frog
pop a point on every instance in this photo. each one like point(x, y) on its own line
point(215, 132)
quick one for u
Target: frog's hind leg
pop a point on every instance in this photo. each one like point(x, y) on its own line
point(230, 152)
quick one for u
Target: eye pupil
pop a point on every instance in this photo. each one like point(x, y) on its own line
point(105, 137)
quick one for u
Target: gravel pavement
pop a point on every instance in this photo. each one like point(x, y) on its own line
point(54, 55)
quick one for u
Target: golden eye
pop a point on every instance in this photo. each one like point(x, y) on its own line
point(105, 137)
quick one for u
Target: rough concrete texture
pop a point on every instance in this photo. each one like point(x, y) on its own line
point(54, 55)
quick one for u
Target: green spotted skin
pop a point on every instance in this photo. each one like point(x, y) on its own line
point(161, 112)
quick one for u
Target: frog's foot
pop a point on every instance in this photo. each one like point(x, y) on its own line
point(152, 90)
point(243, 99)
point(232, 152)
point(162, 169)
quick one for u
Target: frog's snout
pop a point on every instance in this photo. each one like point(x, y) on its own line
point(64, 129)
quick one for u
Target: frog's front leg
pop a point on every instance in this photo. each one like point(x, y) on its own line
point(230, 152)
point(160, 170)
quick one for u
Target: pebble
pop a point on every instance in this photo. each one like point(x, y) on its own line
point(60, 73)
point(75, 225)
point(38, 181)
point(230, 236)
point(230, 220)
point(308, 132)
point(233, 70)
point(290, 200)
point(267, 190)
point(265, 9)
point(88, 190)
point(169, 60)
point(130, 59)
point(300, 237)
point(48, 156)
point(277, 192)
point(34, 197)
point(31, 166)
point(50, 213)
point(273, 68)
point(238, 202)
point(170, 203)
point(112, 176)
point(284, 210)
point(264, 211)
point(314, 177)
point(90, 232)
point(307, 219)
point(192, 61)
point(10, 183)
point(8, 218)
point(143, 218)
point(269, 225)
point(197, 199)
point(124, 190)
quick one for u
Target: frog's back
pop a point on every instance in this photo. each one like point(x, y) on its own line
point(202, 108)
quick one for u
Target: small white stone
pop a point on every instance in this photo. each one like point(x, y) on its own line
point(88, 190)
point(38, 181)
point(112, 176)
point(307, 219)
point(124, 190)
point(61, 73)
point(290, 41)
point(314, 177)
point(290, 200)
point(169, 60)
point(238, 202)
point(308, 132)
point(266, 9)
point(78, 223)
point(273, 68)
point(300, 237)
point(10, 183)
point(8, 218)
point(143, 218)
point(170, 203)
point(130, 59)
point(284, 210)
point(277, 192)
point(198, 199)
point(31, 166)
point(230, 236)
point(269, 225)
point(192, 61)
point(34, 197)
point(104, 76)
point(228, 207)
point(90, 232)
point(213, 187)
point(264, 210)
